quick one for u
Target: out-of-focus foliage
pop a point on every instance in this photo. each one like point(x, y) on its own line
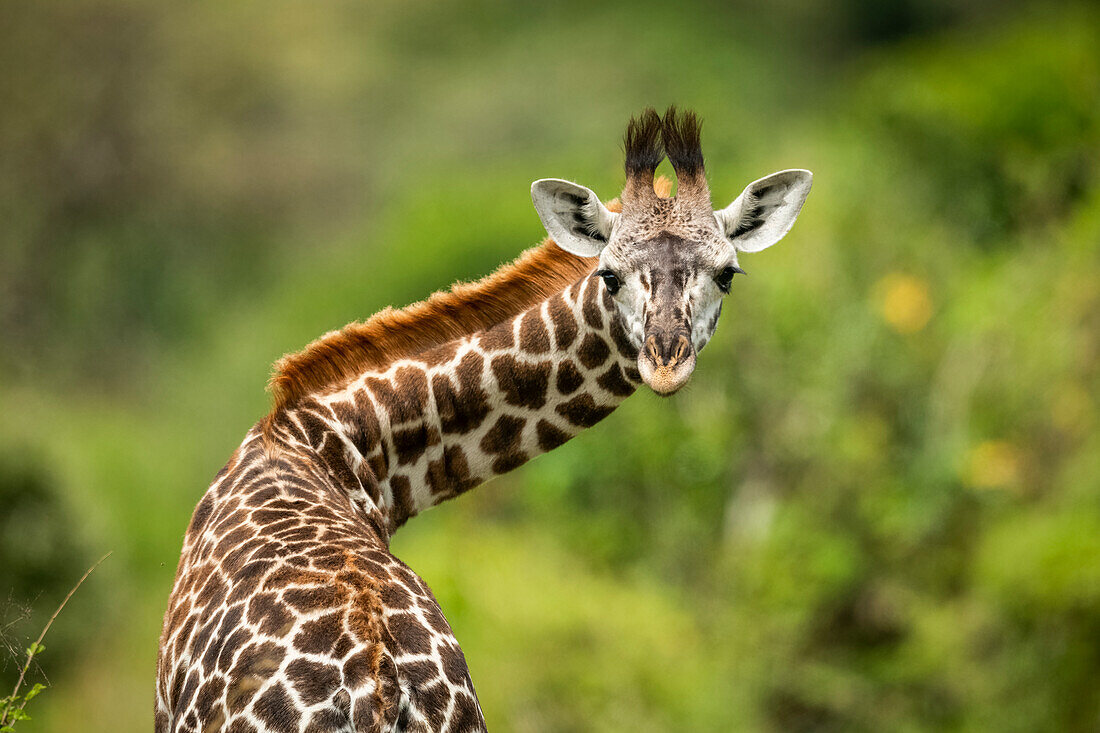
point(877, 507)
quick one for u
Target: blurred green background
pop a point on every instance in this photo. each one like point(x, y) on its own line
point(875, 508)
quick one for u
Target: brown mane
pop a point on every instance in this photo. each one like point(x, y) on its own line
point(389, 335)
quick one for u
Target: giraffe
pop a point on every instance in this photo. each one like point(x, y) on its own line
point(288, 612)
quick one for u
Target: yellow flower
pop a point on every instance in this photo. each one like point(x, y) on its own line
point(903, 302)
point(993, 464)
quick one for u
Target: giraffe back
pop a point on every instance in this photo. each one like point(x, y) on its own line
point(289, 613)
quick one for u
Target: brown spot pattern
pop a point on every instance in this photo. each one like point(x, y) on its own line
point(565, 326)
point(593, 351)
point(591, 307)
point(522, 384)
point(615, 382)
point(533, 337)
point(450, 475)
point(549, 436)
point(503, 440)
point(458, 412)
point(569, 378)
point(498, 338)
point(583, 411)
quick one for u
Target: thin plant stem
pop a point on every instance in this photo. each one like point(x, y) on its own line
point(38, 642)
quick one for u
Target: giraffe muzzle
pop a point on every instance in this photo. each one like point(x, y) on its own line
point(666, 362)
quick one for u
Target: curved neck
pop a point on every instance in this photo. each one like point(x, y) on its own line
point(428, 428)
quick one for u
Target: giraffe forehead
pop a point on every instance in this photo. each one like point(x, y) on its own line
point(691, 220)
point(670, 257)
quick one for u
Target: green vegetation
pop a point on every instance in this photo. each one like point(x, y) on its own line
point(13, 707)
point(875, 508)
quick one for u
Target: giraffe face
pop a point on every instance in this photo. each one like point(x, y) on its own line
point(669, 262)
point(668, 291)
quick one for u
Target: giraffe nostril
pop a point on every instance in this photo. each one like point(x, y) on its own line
point(682, 347)
point(665, 350)
point(651, 349)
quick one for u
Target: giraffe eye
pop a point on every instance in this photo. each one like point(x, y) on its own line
point(724, 278)
point(610, 281)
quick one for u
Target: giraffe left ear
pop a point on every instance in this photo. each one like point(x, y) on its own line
point(765, 211)
point(573, 215)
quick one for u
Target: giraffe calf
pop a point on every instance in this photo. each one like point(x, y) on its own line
point(289, 613)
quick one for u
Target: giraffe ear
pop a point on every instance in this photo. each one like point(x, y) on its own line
point(765, 211)
point(573, 216)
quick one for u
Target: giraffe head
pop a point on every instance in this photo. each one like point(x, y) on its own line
point(667, 263)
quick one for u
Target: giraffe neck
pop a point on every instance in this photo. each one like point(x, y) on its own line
point(428, 428)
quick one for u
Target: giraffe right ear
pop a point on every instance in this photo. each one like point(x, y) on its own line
point(765, 211)
point(573, 216)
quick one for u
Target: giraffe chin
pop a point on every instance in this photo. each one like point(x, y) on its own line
point(666, 380)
